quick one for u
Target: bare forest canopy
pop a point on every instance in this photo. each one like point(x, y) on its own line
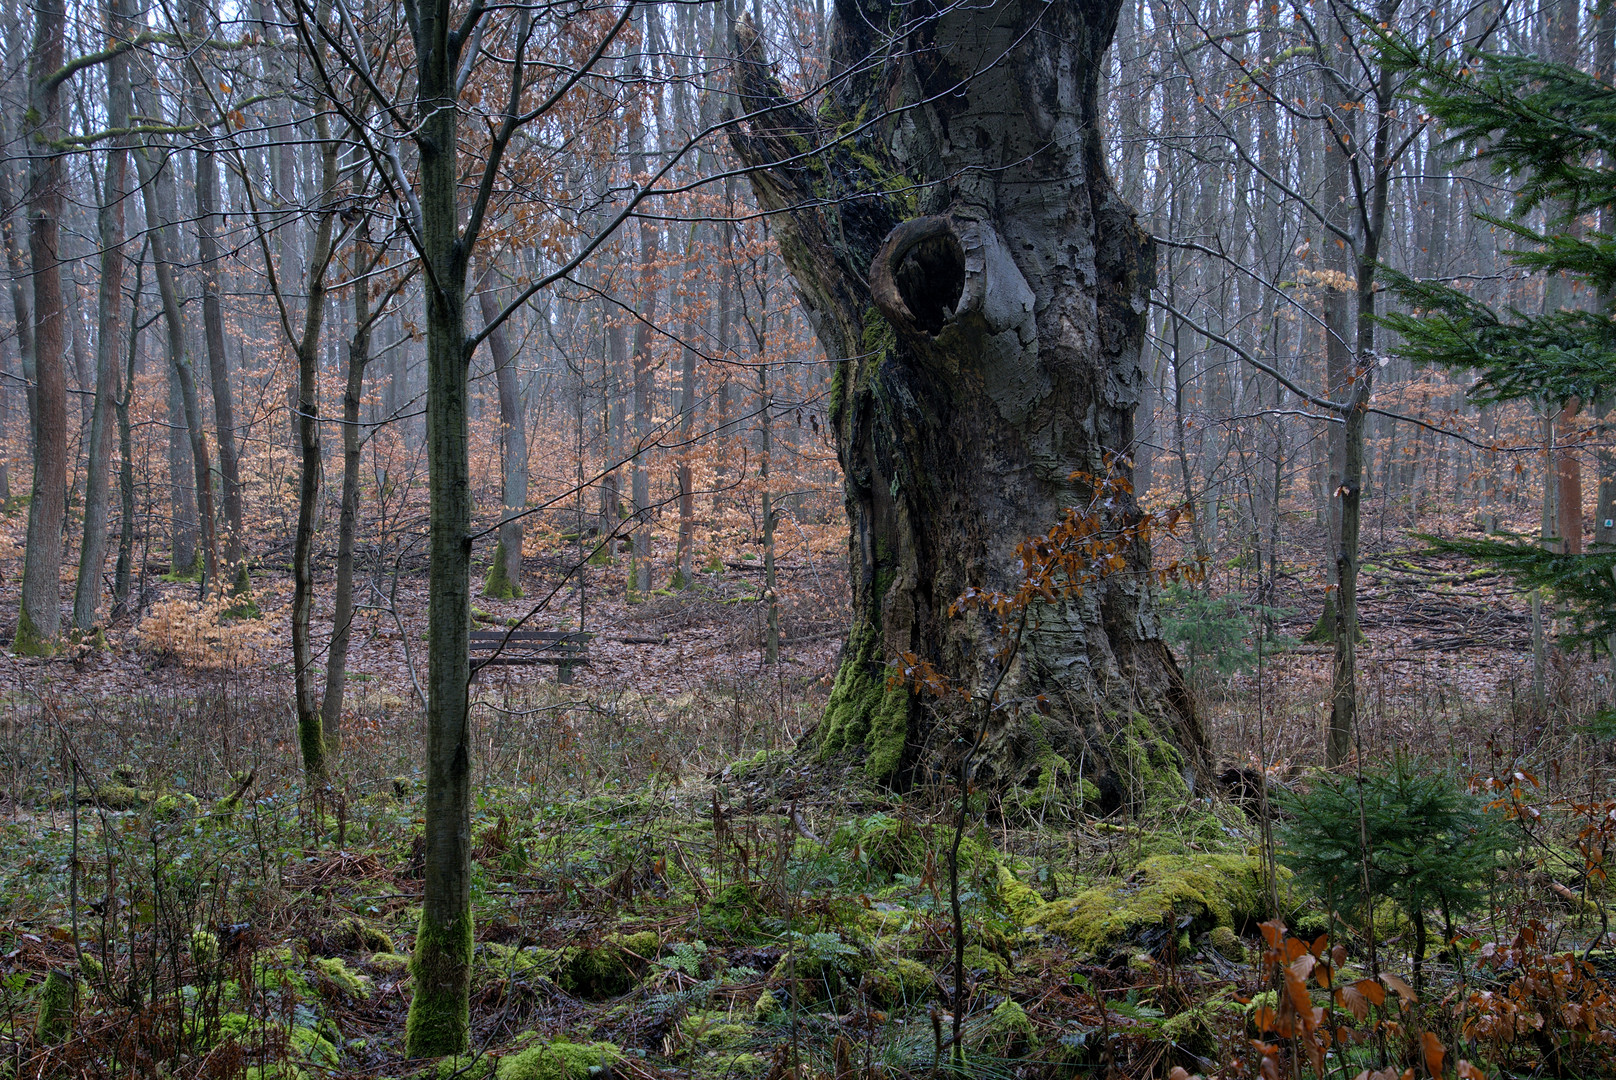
point(462, 427)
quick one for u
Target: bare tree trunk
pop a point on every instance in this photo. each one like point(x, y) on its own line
point(687, 430)
point(439, 1018)
point(505, 575)
point(647, 287)
point(771, 584)
point(17, 260)
point(311, 740)
point(183, 553)
point(157, 190)
point(611, 485)
point(342, 605)
point(123, 573)
point(39, 620)
point(207, 225)
point(988, 339)
point(109, 336)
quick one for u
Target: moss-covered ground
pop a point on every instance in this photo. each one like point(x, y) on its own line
point(773, 910)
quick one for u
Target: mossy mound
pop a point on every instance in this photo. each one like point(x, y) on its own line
point(1016, 897)
point(558, 1061)
point(735, 908)
point(495, 961)
point(334, 974)
point(1009, 1029)
point(1227, 943)
point(986, 962)
point(716, 1031)
point(742, 1066)
point(892, 982)
point(818, 975)
point(1215, 890)
point(611, 968)
point(356, 935)
point(389, 963)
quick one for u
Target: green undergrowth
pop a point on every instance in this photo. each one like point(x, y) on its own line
point(689, 926)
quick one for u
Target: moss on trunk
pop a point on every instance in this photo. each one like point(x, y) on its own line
point(865, 709)
point(440, 1012)
point(499, 585)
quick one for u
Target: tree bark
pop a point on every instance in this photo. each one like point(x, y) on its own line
point(311, 739)
point(123, 572)
point(207, 243)
point(505, 575)
point(342, 605)
point(39, 619)
point(647, 285)
point(156, 183)
point(439, 1018)
point(967, 260)
point(109, 335)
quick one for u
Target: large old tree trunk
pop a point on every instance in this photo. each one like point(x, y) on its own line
point(961, 250)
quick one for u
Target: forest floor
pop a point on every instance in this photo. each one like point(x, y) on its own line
point(666, 889)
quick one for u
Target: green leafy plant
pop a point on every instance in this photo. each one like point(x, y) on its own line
point(1407, 832)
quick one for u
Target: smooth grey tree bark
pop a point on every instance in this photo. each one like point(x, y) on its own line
point(968, 263)
point(311, 739)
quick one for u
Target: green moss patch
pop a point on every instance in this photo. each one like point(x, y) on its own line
point(864, 711)
point(1216, 890)
point(559, 1061)
point(894, 982)
point(611, 968)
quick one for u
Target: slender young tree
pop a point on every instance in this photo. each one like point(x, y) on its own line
point(205, 115)
point(505, 572)
point(109, 315)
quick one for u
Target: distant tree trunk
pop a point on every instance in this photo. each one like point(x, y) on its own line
point(157, 184)
point(649, 283)
point(505, 575)
point(17, 267)
point(207, 224)
point(109, 336)
point(1335, 197)
point(39, 619)
point(342, 605)
point(987, 337)
point(615, 419)
point(182, 529)
point(771, 584)
point(687, 430)
point(725, 269)
point(123, 573)
point(310, 737)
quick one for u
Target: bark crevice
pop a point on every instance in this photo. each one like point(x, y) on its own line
point(965, 260)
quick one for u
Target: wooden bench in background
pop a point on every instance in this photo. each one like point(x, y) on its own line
point(561, 649)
